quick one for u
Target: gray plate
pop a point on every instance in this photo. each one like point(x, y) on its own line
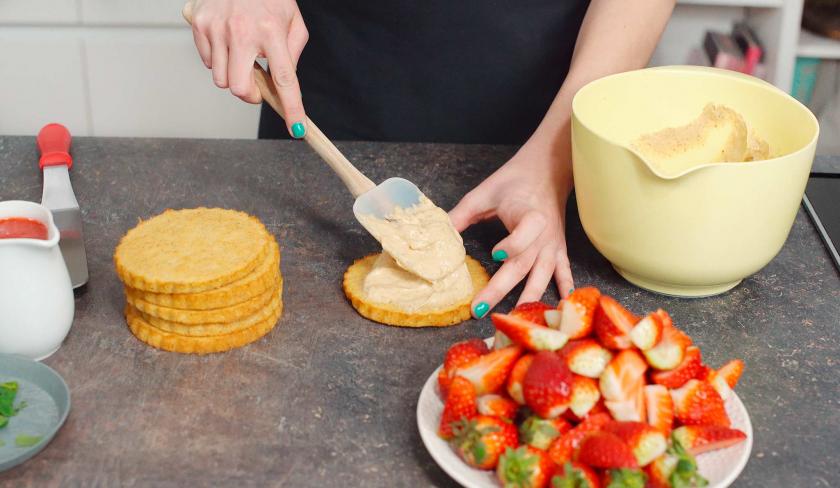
point(48, 403)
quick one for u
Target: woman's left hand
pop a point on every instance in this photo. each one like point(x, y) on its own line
point(528, 194)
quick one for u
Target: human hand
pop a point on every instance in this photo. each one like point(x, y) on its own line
point(231, 34)
point(528, 194)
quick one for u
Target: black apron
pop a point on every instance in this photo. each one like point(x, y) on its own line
point(467, 71)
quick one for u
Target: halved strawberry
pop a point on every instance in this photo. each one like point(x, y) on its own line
point(687, 369)
point(630, 409)
point(532, 312)
point(497, 406)
point(459, 354)
point(480, 441)
point(622, 375)
point(731, 372)
point(646, 442)
point(597, 408)
point(540, 433)
point(675, 468)
point(517, 374)
point(577, 312)
point(501, 341)
point(586, 357)
point(575, 475)
point(547, 386)
point(606, 450)
point(698, 439)
point(647, 332)
point(529, 334)
point(669, 351)
point(561, 450)
point(659, 407)
point(585, 395)
point(698, 403)
point(489, 372)
point(460, 404)
point(525, 467)
point(612, 323)
point(724, 379)
point(659, 471)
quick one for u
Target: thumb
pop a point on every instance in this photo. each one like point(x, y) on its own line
point(472, 208)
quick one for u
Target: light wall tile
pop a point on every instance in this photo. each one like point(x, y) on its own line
point(150, 82)
point(41, 80)
point(134, 12)
point(39, 11)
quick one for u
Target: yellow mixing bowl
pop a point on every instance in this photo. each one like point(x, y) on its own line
point(703, 231)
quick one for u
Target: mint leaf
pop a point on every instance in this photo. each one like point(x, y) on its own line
point(27, 440)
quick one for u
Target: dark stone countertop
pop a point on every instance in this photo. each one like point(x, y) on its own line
point(328, 397)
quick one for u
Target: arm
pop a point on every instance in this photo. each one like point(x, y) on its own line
point(231, 34)
point(529, 192)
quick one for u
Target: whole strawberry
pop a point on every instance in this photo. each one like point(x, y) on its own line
point(547, 386)
point(460, 404)
point(525, 467)
point(540, 433)
point(482, 440)
point(575, 475)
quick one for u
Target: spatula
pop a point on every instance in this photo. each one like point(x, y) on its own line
point(54, 144)
point(377, 200)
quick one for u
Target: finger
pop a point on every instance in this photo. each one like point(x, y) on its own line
point(285, 80)
point(540, 276)
point(241, 73)
point(563, 271)
point(473, 207)
point(298, 37)
point(202, 44)
point(219, 60)
point(530, 225)
point(508, 276)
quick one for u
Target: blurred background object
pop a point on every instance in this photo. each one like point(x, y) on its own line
point(129, 68)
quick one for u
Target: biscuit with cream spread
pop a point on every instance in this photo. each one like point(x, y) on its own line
point(354, 279)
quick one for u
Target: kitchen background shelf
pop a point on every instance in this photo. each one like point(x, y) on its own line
point(814, 46)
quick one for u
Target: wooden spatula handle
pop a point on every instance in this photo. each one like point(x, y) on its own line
point(355, 181)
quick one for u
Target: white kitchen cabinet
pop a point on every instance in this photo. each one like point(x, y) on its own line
point(150, 82)
point(41, 81)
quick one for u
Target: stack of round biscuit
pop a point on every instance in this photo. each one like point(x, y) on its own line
point(200, 280)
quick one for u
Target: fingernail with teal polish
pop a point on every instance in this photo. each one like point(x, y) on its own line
point(571, 289)
point(481, 309)
point(298, 130)
point(499, 255)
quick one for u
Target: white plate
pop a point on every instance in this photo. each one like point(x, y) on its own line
point(720, 467)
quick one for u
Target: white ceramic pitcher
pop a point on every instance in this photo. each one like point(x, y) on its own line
point(36, 297)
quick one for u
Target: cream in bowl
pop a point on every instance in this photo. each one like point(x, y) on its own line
point(689, 222)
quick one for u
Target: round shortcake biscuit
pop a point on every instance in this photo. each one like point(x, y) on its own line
point(191, 250)
point(197, 345)
point(212, 316)
point(221, 328)
point(241, 290)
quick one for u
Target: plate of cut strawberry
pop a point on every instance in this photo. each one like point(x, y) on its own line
point(584, 395)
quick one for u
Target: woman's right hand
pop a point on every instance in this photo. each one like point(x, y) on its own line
point(231, 34)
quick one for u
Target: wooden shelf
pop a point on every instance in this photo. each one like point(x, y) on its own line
point(814, 46)
point(735, 3)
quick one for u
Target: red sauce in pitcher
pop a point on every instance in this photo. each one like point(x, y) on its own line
point(20, 228)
